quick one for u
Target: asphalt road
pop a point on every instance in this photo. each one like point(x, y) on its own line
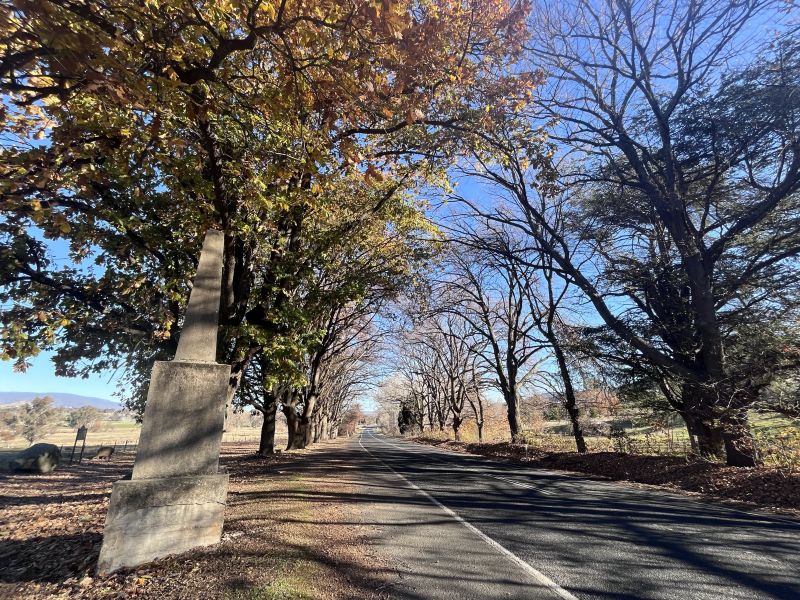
point(455, 526)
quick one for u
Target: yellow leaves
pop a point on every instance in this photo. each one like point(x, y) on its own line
point(175, 53)
point(34, 110)
point(160, 334)
point(60, 223)
point(268, 10)
point(42, 316)
point(386, 112)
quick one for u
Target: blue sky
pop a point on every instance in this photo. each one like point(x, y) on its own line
point(41, 377)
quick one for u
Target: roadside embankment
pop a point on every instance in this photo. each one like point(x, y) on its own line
point(763, 487)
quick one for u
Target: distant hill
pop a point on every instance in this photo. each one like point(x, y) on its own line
point(62, 400)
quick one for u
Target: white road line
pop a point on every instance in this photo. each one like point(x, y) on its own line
point(536, 574)
point(520, 484)
point(577, 476)
point(507, 480)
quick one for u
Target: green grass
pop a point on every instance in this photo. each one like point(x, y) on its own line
point(290, 586)
point(109, 433)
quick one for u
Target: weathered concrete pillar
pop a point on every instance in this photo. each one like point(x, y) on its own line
point(175, 499)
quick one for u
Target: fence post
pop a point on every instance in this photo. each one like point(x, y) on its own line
point(83, 447)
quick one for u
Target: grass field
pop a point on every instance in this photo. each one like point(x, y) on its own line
point(125, 434)
point(777, 438)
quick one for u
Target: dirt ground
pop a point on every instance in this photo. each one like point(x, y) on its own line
point(282, 538)
point(763, 487)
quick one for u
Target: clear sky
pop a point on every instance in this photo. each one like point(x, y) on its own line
point(41, 378)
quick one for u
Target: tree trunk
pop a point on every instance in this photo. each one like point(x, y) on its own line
point(457, 428)
point(690, 430)
point(293, 427)
point(577, 429)
point(266, 445)
point(238, 368)
point(514, 418)
point(480, 431)
point(740, 449)
point(323, 427)
point(569, 399)
point(699, 403)
point(316, 422)
point(305, 432)
point(305, 428)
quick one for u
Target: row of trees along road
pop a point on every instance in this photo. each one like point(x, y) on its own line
point(301, 129)
point(655, 234)
point(634, 172)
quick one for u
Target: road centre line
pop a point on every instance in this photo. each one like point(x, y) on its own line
point(534, 573)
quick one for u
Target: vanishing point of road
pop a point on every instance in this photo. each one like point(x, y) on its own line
point(456, 526)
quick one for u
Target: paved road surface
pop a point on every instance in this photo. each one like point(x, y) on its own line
point(456, 526)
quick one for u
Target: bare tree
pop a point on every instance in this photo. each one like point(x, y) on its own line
point(488, 289)
point(674, 208)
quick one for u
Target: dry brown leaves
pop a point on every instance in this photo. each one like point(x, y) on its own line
point(763, 487)
point(285, 536)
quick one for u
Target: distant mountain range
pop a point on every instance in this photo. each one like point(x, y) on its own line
point(62, 400)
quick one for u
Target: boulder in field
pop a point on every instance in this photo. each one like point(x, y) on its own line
point(104, 452)
point(39, 458)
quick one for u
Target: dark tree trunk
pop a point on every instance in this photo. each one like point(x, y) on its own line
point(514, 418)
point(480, 431)
point(700, 423)
point(304, 432)
point(740, 449)
point(577, 428)
point(690, 430)
point(306, 425)
point(315, 436)
point(266, 445)
point(293, 427)
point(457, 428)
point(569, 399)
point(238, 368)
point(710, 443)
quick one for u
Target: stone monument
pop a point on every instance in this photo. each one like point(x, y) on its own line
point(175, 499)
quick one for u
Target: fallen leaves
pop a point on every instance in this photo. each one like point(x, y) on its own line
point(281, 535)
point(765, 486)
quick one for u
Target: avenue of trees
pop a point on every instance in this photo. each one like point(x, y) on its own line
point(464, 199)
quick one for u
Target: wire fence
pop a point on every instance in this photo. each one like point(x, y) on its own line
point(661, 442)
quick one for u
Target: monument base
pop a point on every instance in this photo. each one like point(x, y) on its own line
point(151, 518)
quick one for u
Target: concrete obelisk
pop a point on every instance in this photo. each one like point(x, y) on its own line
point(175, 499)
